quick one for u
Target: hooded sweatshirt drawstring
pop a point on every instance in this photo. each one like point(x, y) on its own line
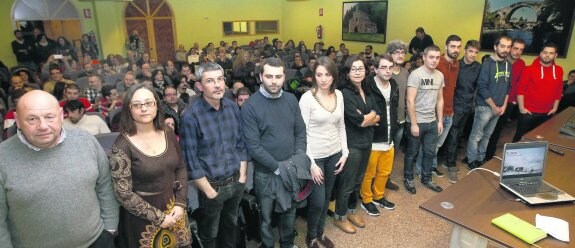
point(554, 77)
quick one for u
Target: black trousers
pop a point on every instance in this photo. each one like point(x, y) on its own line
point(105, 240)
point(455, 132)
point(528, 122)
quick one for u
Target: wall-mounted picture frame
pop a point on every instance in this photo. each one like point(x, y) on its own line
point(364, 21)
point(534, 21)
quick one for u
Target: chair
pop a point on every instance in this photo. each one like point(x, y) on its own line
point(290, 74)
point(106, 140)
point(281, 54)
point(111, 79)
point(11, 131)
point(82, 83)
point(303, 71)
point(305, 57)
point(74, 75)
point(113, 113)
point(287, 59)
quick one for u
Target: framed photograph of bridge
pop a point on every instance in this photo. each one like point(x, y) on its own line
point(534, 21)
point(364, 21)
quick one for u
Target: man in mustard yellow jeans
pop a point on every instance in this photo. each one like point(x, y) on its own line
point(386, 95)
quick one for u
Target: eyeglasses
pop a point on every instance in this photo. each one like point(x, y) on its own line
point(141, 105)
point(354, 70)
point(398, 52)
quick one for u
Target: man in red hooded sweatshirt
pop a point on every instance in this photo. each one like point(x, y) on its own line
point(539, 91)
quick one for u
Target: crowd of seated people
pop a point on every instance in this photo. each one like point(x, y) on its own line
point(83, 85)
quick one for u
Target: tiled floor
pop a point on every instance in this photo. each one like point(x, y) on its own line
point(407, 225)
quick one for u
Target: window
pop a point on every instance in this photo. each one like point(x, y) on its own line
point(233, 28)
point(267, 27)
point(250, 27)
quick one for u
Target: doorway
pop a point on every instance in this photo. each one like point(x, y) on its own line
point(155, 23)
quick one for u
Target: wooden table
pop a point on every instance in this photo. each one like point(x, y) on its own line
point(549, 131)
point(477, 199)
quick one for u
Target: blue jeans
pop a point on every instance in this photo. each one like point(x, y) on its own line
point(349, 183)
point(398, 136)
point(428, 140)
point(267, 203)
point(218, 225)
point(483, 124)
point(447, 121)
point(318, 200)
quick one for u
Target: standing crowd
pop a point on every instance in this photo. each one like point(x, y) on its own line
point(314, 125)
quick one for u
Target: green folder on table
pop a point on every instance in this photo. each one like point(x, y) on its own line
point(520, 228)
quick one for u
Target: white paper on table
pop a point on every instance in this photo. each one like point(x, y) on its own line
point(555, 227)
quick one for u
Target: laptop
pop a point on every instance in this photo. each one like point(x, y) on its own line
point(522, 171)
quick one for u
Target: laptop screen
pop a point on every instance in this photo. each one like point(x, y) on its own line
point(524, 159)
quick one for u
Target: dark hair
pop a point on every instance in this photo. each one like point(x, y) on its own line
point(518, 40)
point(73, 105)
point(17, 31)
point(331, 68)
point(185, 97)
point(168, 115)
point(382, 57)
point(107, 90)
point(347, 68)
point(420, 30)
point(155, 72)
point(502, 37)
point(473, 43)
point(127, 124)
point(273, 62)
point(451, 38)
point(169, 86)
point(571, 71)
point(552, 45)
point(59, 90)
point(16, 94)
point(54, 67)
point(243, 91)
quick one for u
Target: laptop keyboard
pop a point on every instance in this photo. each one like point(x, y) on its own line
point(532, 188)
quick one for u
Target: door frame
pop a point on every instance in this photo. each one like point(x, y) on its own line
point(150, 24)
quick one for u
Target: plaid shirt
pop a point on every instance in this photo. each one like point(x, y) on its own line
point(211, 140)
point(92, 94)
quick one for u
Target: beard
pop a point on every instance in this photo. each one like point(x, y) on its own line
point(273, 90)
point(502, 54)
point(453, 55)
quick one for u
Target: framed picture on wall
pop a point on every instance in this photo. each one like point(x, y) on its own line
point(534, 21)
point(364, 21)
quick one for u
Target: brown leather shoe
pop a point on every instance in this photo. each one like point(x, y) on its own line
point(356, 220)
point(325, 241)
point(345, 226)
